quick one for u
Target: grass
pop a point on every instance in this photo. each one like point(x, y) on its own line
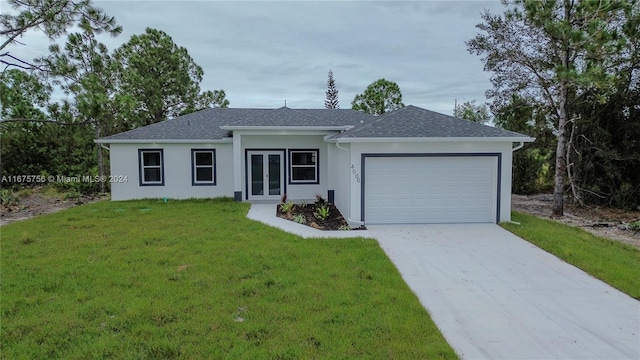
point(194, 280)
point(611, 261)
point(24, 192)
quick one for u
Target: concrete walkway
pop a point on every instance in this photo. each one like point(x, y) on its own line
point(496, 296)
point(266, 214)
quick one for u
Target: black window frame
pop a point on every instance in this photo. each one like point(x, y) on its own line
point(142, 167)
point(291, 166)
point(194, 167)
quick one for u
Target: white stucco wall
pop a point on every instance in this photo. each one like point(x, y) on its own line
point(177, 172)
point(295, 192)
point(339, 170)
point(357, 149)
point(339, 181)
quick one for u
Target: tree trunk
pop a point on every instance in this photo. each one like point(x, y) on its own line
point(561, 148)
point(100, 161)
point(575, 189)
point(561, 152)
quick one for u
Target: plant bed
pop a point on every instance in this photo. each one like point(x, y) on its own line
point(310, 215)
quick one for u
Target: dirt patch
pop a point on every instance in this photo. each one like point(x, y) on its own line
point(37, 203)
point(182, 267)
point(605, 222)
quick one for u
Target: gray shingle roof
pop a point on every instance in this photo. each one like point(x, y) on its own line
point(408, 122)
point(414, 122)
point(194, 126)
point(205, 124)
point(285, 116)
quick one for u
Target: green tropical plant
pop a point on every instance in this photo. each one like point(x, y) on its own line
point(287, 207)
point(322, 212)
point(300, 219)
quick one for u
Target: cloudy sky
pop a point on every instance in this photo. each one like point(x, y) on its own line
point(261, 53)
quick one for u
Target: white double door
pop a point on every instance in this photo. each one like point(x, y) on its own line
point(265, 174)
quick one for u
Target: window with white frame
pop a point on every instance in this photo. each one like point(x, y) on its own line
point(203, 166)
point(151, 166)
point(303, 167)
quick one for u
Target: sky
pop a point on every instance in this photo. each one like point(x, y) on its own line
point(263, 53)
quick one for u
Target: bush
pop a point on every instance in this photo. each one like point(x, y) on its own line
point(7, 198)
point(531, 171)
point(320, 201)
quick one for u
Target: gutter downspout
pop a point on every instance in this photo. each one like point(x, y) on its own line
point(349, 193)
point(518, 147)
point(341, 148)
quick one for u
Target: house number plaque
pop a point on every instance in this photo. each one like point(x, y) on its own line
point(355, 173)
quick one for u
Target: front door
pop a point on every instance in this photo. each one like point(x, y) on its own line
point(265, 174)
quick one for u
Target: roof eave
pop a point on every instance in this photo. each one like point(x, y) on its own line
point(290, 128)
point(161, 141)
point(432, 139)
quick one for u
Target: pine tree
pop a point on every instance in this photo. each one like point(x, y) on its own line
point(554, 52)
point(379, 97)
point(332, 93)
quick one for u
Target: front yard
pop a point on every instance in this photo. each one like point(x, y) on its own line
point(195, 280)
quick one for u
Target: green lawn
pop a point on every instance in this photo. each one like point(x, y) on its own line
point(197, 280)
point(611, 261)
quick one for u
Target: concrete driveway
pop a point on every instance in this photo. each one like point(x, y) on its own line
point(496, 296)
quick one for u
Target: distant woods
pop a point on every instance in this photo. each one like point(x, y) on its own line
point(564, 72)
point(568, 74)
point(146, 80)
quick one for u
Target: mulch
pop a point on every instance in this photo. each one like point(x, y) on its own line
point(335, 221)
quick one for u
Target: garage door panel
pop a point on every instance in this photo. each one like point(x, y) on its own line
point(430, 189)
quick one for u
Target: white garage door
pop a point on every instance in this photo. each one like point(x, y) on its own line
point(442, 189)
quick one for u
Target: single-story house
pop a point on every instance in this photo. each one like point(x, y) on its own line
point(411, 165)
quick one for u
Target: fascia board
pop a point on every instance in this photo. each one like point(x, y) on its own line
point(432, 139)
point(162, 141)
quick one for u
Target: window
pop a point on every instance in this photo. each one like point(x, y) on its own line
point(203, 163)
point(151, 167)
point(303, 167)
